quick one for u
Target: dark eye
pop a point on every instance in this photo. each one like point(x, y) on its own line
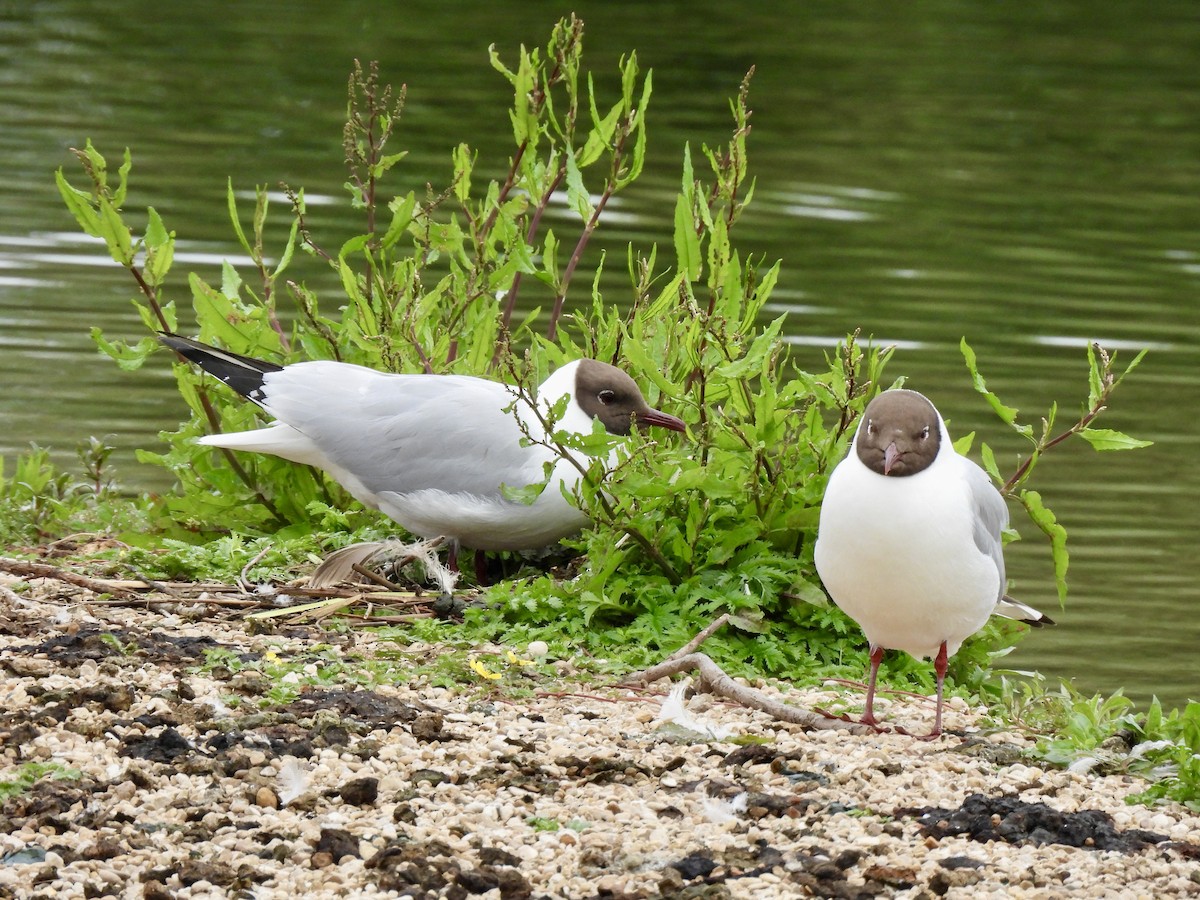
point(924, 432)
point(606, 396)
point(870, 427)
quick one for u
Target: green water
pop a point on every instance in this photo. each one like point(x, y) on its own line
point(1026, 177)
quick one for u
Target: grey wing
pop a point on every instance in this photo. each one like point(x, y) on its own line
point(405, 433)
point(990, 517)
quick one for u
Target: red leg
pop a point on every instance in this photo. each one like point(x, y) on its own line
point(939, 668)
point(869, 713)
point(452, 557)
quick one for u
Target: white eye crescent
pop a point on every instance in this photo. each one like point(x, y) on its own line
point(606, 396)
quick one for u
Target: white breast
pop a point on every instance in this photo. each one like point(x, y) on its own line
point(898, 556)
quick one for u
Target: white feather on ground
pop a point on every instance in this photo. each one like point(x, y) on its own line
point(292, 780)
point(675, 712)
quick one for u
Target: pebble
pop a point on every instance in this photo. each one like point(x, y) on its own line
point(266, 798)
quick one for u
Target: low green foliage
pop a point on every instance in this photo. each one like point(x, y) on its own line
point(1170, 754)
point(284, 675)
point(28, 774)
point(39, 501)
point(1107, 734)
point(542, 823)
point(1070, 725)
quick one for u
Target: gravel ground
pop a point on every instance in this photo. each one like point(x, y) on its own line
point(159, 785)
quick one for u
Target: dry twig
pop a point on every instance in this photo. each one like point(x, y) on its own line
point(379, 579)
point(712, 679)
point(23, 569)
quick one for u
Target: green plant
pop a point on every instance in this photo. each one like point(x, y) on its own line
point(1102, 381)
point(29, 774)
point(1108, 734)
point(122, 648)
point(1069, 724)
point(1169, 754)
point(39, 501)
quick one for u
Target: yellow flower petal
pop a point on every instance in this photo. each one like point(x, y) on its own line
point(480, 669)
point(517, 661)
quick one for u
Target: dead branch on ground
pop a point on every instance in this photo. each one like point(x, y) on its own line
point(712, 680)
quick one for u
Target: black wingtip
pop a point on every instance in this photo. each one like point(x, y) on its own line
point(242, 373)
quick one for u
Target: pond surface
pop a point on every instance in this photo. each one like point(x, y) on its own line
point(1027, 178)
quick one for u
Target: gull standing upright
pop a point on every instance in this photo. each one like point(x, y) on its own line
point(909, 542)
point(431, 452)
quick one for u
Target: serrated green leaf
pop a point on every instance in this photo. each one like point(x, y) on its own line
point(148, 317)
point(600, 138)
point(262, 205)
point(687, 241)
point(99, 166)
point(1045, 520)
point(1095, 377)
point(1107, 439)
point(115, 233)
point(1007, 414)
point(1132, 365)
point(231, 281)
point(118, 196)
point(215, 315)
point(989, 462)
point(494, 59)
point(638, 157)
point(231, 207)
point(402, 214)
point(129, 357)
point(354, 245)
point(160, 251)
point(807, 592)
point(963, 445)
point(80, 204)
point(464, 164)
point(527, 494)
point(381, 167)
point(156, 231)
point(577, 193)
point(289, 250)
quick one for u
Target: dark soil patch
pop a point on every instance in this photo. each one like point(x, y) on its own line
point(93, 643)
point(368, 707)
point(1014, 821)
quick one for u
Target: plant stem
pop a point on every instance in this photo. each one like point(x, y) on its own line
point(593, 221)
point(214, 422)
point(151, 296)
point(1043, 446)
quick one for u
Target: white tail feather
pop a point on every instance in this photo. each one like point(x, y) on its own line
point(1022, 612)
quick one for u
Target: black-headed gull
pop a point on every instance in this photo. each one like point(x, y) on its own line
point(431, 452)
point(909, 542)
